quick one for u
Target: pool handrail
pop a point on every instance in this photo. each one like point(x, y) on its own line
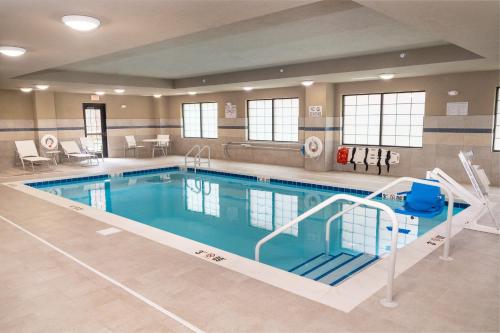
point(445, 187)
point(388, 301)
point(198, 155)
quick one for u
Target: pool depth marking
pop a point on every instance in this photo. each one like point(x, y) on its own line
point(132, 292)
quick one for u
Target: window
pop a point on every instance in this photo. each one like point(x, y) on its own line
point(362, 119)
point(403, 119)
point(273, 119)
point(496, 129)
point(389, 119)
point(200, 120)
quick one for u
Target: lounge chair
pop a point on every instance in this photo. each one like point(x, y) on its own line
point(90, 148)
point(27, 152)
point(162, 144)
point(72, 151)
point(422, 201)
point(131, 144)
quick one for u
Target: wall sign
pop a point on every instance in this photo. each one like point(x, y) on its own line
point(457, 108)
point(230, 110)
point(315, 111)
point(94, 97)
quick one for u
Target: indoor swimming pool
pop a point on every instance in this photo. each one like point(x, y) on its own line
point(233, 212)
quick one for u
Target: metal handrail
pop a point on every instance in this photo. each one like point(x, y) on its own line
point(451, 201)
point(388, 301)
point(189, 152)
point(198, 155)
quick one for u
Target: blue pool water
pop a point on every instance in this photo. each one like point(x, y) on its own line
point(233, 214)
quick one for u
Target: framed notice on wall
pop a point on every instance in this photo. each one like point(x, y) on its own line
point(457, 108)
point(315, 111)
point(230, 110)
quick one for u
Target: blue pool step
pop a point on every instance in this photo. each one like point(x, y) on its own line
point(333, 269)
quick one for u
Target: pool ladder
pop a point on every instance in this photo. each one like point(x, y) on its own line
point(388, 301)
point(196, 159)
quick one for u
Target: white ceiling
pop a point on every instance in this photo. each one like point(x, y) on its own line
point(143, 42)
point(249, 45)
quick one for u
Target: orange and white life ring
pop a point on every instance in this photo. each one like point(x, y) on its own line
point(49, 142)
point(313, 147)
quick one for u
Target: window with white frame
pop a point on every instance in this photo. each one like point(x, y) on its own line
point(273, 119)
point(362, 119)
point(403, 119)
point(387, 119)
point(200, 120)
point(496, 130)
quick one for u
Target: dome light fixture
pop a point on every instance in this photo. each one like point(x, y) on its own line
point(386, 76)
point(157, 95)
point(12, 51)
point(307, 83)
point(81, 23)
point(26, 90)
point(100, 93)
point(248, 88)
point(42, 86)
point(192, 93)
point(119, 91)
point(452, 93)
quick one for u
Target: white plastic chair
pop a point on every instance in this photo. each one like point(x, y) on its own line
point(72, 151)
point(27, 152)
point(131, 144)
point(162, 144)
point(90, 148)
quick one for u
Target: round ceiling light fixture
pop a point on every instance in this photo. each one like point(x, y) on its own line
point(119, 91)
point(386, 76)
point(307, 83)
point(100, 93)
point(452, 93)
point(248, 88)
point(26, 90)
point(42, 86)
point(12, 51)
point(81, 23)
point(192, 93)
point(157, 95)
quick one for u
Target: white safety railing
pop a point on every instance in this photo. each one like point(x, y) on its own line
point(188, 154)
point(388, 301)
point(447, 190)
point(198, 156)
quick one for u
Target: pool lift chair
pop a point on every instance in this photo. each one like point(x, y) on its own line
point(422, 201)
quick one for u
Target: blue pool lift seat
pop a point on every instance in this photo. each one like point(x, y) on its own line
point(422, 201)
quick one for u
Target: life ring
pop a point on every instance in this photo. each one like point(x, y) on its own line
point(49, 142)
point(313, 147)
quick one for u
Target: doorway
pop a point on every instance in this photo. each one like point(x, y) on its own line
point(94, 116)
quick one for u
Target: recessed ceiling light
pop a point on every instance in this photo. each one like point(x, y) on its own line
point(42, 86)
point(192, 93)
point(386, 76)
point(307, 83)
point(26, 90)
point(248, 88)
point(453, 93)
point(157, 95)
point(100, 93)
point(119, 91)
point(81, 23)
point(12, 51)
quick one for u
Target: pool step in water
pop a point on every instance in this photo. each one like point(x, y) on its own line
point(333, 269)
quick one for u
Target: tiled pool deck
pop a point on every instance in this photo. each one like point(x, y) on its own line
point(43, 291)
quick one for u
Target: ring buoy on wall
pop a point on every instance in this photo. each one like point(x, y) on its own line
point(342, 155)
point(313, 147)
point(49, 142)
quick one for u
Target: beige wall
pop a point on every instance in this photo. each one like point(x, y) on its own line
point(145, 117)
point(234, 130)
